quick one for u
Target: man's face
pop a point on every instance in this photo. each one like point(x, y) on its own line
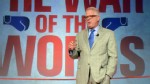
point(92, 19)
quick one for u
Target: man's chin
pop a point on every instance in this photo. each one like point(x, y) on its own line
point(89, 27)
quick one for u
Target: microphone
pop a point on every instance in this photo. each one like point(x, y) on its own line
point(72, 51)
point(97, 34)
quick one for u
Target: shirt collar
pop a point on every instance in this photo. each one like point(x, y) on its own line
point(96, 30)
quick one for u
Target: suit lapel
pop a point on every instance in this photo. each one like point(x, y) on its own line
point(101, 33)
point(86, 34)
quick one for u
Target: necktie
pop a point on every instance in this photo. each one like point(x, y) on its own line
point(91, 38)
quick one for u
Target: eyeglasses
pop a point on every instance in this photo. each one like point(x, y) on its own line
point(89, 16)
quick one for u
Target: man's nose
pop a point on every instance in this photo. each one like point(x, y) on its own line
point(88, 19)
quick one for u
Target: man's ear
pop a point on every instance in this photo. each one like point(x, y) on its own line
point(98, 18)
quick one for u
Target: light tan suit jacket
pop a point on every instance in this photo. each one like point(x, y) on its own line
point(101, 58)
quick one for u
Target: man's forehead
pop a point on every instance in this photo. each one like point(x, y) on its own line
point(90, 12)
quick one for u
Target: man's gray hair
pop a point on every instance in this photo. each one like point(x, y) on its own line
point(93, 9)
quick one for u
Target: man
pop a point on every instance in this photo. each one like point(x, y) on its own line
point(96, 49)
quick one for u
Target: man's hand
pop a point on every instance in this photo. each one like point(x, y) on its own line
point(106, 80)
point(72, 45)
